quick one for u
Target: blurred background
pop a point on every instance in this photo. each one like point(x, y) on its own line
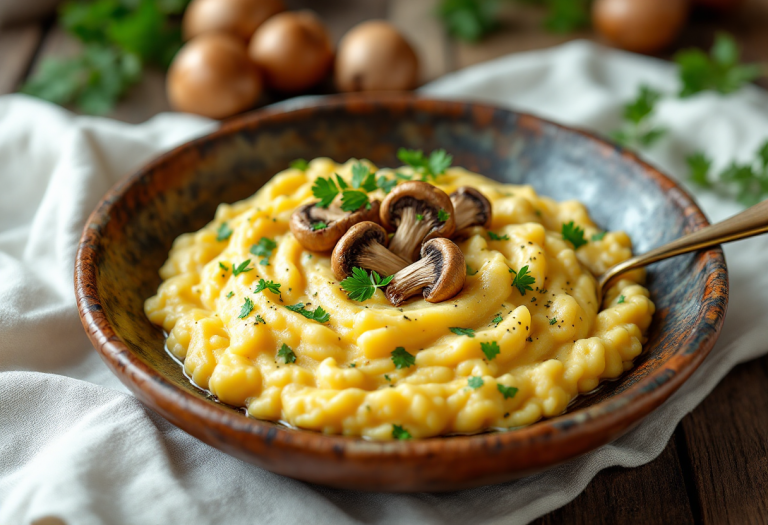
point(111, 57)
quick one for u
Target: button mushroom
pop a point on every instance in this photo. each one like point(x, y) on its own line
point(364, 246)
point(417, 211)
point(319, 229)
point(440, 273)
point(471, 208)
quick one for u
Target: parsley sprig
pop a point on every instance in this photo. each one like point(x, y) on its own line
point(246, 308)
point(573, 234)
point(224, 232)
point(318, 314)
point(507, 391)
point(523, 280)
point(747, 183)
point(402, 358)
point(497, 237)
point(299, 164)
point(398, 432)
point(263, 249)
point(490, 350)
point(267, 285)
point(469, 332)
point(429, 168)
point(361, 286)
point(475, 382)
point(241, 268)
point(638, 128)
point(286, 352)
point(363, 181)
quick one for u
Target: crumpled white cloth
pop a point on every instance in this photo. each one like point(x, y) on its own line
point(76, 445)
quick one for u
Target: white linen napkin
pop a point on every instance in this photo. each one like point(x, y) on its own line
point(76, 445)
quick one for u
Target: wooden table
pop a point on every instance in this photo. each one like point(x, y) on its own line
point(715, 467)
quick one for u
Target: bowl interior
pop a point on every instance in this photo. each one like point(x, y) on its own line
point(180, 192)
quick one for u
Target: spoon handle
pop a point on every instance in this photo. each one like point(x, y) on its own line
point(750, 222)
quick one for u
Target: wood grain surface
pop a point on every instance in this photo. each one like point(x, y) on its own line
point(715, 469)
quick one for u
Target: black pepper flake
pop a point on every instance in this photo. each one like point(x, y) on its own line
point(529, 339)
point(506, 415)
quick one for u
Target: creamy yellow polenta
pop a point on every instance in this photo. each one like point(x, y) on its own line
point(554, 344)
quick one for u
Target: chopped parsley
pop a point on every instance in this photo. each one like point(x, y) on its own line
point(319, 315)
point(287, 354)
point(363, 178)
point(223, 266)
point(428, 167)
point(574, 235)
point(387, 377)
point(475, 382)
point(224, 232)
point(553, 321)
point(495, 237)
point(598, 236)
point(264, 249)
point(419, 217)
point(352, 200)
point(386, 185)
point(260, 319)
point(399, 432)
point(230, 294)
point(496, 320)
point(402, 358)
point(462, 331)
point(267, 285)
point(360, 286)
point(621, 299)
point(443, 215)
point(241, 268)
point(523, 280)
point(490, 350)
point(246, 309)
point(318, 226)
point(325, 190)
point(299, 164)
point(507, 391)
point(471, 271)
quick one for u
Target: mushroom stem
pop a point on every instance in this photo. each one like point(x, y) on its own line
point(410, 233)
point(411, 280)
point(465, 214)
point(470, 208)
point(382, 261)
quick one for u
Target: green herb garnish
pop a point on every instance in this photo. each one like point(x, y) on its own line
point(402, 358)
point(399, 432)
point(496, 320)
point(318, 226)
point(319, 315)
point(469, 332)
point(299, 164)
point(287, 354)
point(362, 178)
point(598, 236)
point(574, 235)
point(475, 382)
point(507, 391)
point(325, 190)
point(443, 215)
point(471, 271)
point(386, 185)
point(230, 294)
point(495, 237)
point(259, 319)
point(267, 285)
point(522, 280)
point(264, 249)
point(353, 200)
point(638, 130)
point(360, 286)
point(621, 299)
point(747, 183)
point(223, 266)
point(428, 167)
point(241, 268)
point(490, 350)
point(246, 309)
point(553, 321)
point(224, 232)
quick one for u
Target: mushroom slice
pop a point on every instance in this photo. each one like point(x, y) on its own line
point(440, 273)
point(412, 210)
point(364, 246)
point(307, 220)
point(471, 208)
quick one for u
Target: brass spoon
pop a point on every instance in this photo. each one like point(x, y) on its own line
point(750, 222)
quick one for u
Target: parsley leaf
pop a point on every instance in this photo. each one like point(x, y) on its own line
point(223, 266)
point(419, 217)
point(267, 285)
point(319, 315)
point(469, 20)
point(352, 200)
point(263, 249)
point(318, 226)
point(363, 178)
point(522, 280)
point(325, 190)
point(574, 235)
point(428, 167)
point(287, 354)
point(747, 183)
point(475, 382)
point(399, 432)
point(621, 299)
point(241, 268)
point(553, 321)
point(469, 332)
point(360, 286)
point(496, 320)
point(719, 71)
point(342, 184)
point(246, 309)
point(224, 232)
point(565, 16)
point(698, 166)
point(259, 319)
point(471, 271)
point(386, 185)
point(402, 358)
point(443, 215)
point(230, 294)
point(299, 164)
point(638, 130)
point(507, 391)
point(598, 236)
point(490, 350)
point(495, 237)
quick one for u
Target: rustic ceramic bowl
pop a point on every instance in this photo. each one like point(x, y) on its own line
point(127, 239)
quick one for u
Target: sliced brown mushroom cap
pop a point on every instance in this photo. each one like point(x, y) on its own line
point(365, 246)
point(471, 208)
point(337, 221)
point(440, 273)
point(412, 210)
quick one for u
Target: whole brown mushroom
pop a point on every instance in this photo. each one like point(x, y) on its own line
point(319, 229)
point(416, 211)
point(236, 17)
point(365, 246)
point(642, 26)
point(374, 56)
point(471, 208)
point(212, 76)
point(293, 50)
point(438, 275)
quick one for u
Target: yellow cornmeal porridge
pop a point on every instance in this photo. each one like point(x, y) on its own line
point(553, 342)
